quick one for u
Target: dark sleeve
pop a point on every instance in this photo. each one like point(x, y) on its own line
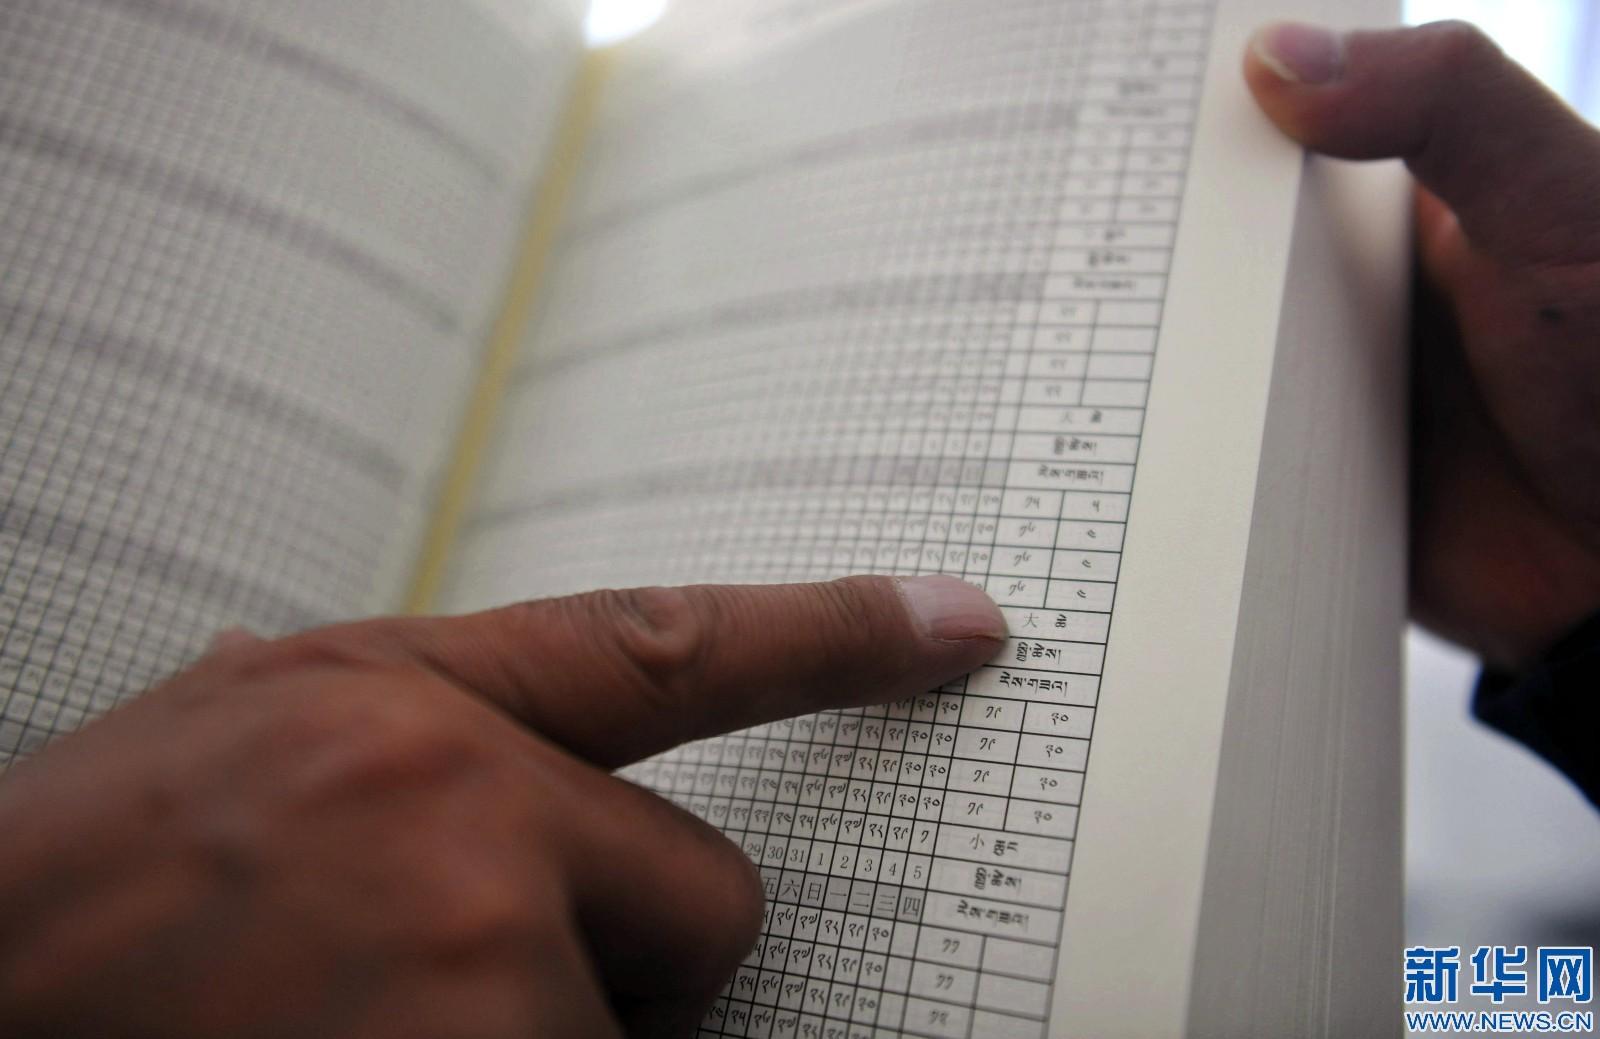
point(1554, 706)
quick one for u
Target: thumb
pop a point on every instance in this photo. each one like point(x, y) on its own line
point(616, 676)
point(1509, 157)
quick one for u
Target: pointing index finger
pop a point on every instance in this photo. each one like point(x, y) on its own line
point(616, 676)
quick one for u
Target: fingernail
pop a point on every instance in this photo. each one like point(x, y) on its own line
point(950, 608)
point(1300, 53)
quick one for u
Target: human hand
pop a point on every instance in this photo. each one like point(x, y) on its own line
point(405, 828)
point(1505, 526)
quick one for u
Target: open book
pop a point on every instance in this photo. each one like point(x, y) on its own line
point(1024, 291)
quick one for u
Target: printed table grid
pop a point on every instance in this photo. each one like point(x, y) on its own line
point(943, 370)
point(972, 405)
point(244, 258)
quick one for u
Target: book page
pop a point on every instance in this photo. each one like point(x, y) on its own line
point(894, 287)
point(250, 250)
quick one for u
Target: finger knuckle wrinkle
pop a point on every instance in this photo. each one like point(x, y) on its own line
point(312, 651)
point(385, 741)
point(661, 632)
point(483, 920)
point(856, 619)
point(1459, 46)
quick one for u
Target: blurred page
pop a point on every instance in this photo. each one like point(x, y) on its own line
point(250, 248)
